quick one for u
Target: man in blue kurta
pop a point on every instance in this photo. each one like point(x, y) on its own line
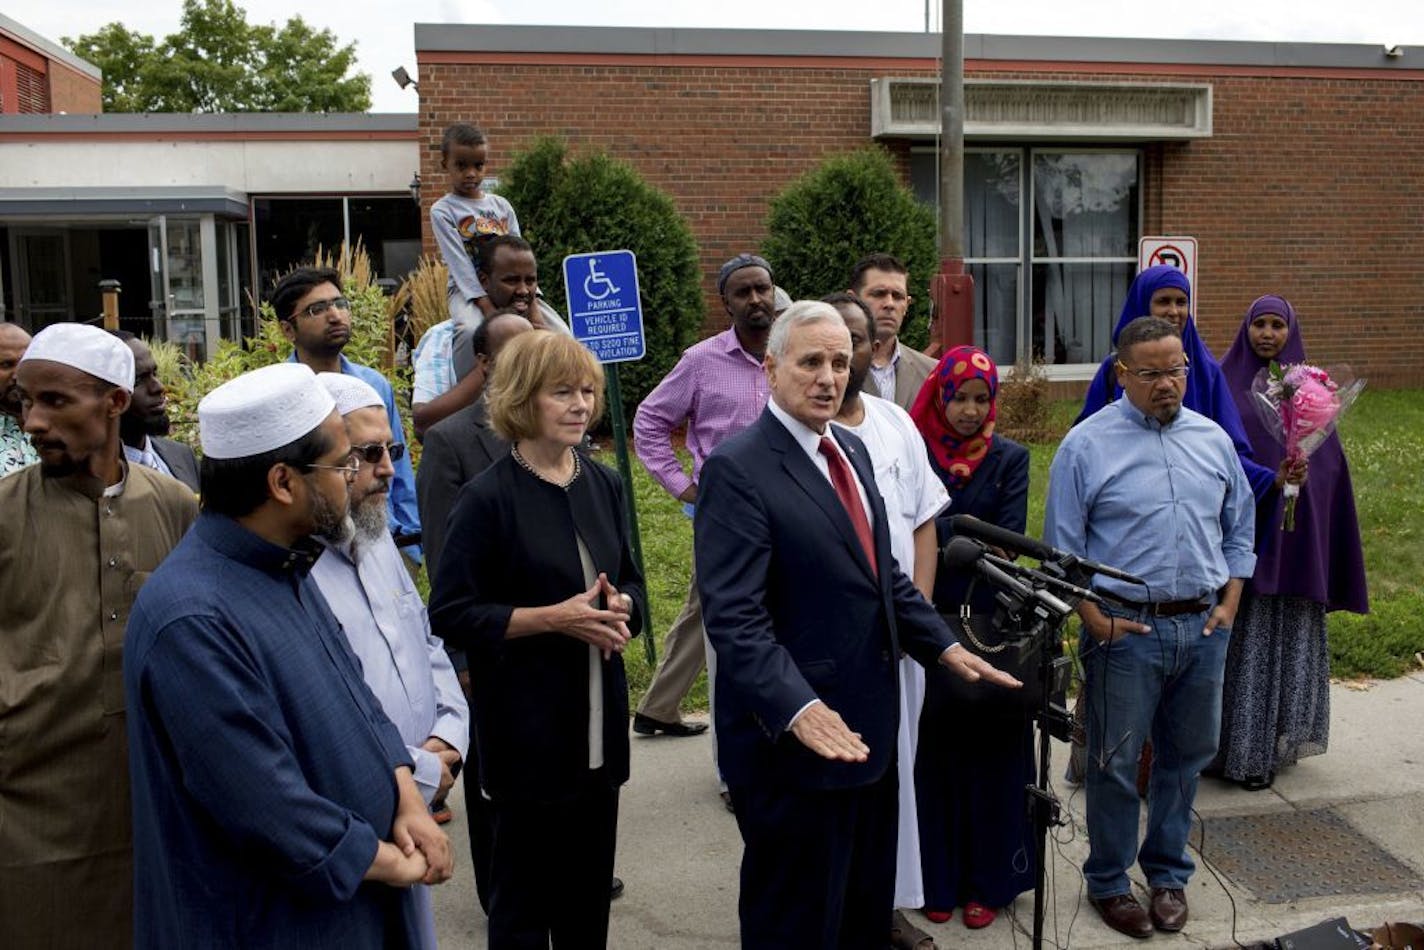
point(274, 804)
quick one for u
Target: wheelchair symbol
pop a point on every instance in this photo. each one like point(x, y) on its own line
point(597, 278)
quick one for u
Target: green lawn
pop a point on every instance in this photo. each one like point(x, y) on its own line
point(1384, 441)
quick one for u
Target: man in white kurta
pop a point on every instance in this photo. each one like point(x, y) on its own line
point(365, 583)
point(913, 495)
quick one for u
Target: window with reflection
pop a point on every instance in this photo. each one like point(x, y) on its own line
point(1051, 241)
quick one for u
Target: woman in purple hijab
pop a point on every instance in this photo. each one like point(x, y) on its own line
point(1164, 291)
point(1276, 700)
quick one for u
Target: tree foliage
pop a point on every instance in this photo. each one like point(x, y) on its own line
point(845, 208)
point(571, 204)
point(218, 62)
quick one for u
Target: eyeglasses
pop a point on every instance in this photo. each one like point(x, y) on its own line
point(348, 471)
point(371, 452)
point(320, 307)
point(1151, 376)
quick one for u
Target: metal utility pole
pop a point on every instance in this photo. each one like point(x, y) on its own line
point(952, 288)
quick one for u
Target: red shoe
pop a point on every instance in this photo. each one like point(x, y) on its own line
point(441, 812)
point(938, 916)
point(977, 916)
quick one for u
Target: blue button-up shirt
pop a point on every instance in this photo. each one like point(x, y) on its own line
point(405, 516)
point(1169, 504)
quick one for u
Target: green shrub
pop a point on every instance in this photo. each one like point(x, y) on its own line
point(572, 204)
point(847, 207)
point(187, 383)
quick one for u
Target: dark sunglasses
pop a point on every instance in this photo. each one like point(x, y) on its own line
point(372, 451)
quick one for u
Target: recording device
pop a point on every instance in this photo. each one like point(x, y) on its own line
point(972, 527)
point(1033, 605)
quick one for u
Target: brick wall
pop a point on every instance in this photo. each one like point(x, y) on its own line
point(1311, 186)
point(73, 92)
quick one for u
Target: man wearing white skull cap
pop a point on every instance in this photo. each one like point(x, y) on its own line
point(274, 803)
point(368, 588)
point(82, 530)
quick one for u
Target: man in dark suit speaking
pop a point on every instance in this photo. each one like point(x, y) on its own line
point(808, 612)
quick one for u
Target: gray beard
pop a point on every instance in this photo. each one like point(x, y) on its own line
point(369, 519)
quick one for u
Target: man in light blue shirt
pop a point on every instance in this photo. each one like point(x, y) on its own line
point(1156, 489)
point(368, 589)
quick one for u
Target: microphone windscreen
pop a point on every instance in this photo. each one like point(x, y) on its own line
point(962, 553)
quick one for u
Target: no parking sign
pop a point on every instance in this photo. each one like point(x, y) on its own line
point(1178, 252)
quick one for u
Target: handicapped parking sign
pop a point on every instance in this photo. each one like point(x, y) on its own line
point(605, 310)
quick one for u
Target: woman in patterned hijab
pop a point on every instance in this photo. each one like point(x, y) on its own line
point(969, 781)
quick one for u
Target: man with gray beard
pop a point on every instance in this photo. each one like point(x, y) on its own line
point(361, 575)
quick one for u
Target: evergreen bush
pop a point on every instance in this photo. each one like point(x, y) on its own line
point(573, 204)
point(847, 207)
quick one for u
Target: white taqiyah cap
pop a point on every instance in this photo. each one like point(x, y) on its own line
point(349, 392)
point(780, 299)
point(261, 411)
point(94, 351)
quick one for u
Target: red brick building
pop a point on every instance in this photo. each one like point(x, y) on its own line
point(37, 76)
point(1299, 168)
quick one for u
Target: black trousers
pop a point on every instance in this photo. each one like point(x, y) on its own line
point(550, 867)
point(478, 814)
point(818, 867)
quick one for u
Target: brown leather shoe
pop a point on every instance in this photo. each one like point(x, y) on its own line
point(1124, 914)
point(1169, 909)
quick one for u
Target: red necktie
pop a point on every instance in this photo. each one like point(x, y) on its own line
point(844, 483)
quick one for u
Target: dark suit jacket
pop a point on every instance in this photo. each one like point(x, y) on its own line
point(180, 460)
point(455, 450)
point(998, 494)
point(794, 612)
point(511, 543)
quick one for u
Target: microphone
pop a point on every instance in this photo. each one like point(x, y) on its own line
point(1044, 578)
point(965, 554)
point(973, 527)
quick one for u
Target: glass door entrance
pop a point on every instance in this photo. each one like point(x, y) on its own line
point(176, 270)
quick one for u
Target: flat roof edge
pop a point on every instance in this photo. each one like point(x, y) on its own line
point(225, 122)
point(653, 41)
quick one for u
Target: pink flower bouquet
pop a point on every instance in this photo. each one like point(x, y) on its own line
point(1300, 405)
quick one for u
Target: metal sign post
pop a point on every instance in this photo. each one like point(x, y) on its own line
point(606, 314)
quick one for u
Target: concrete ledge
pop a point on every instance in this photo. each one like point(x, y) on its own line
point(1023, 109)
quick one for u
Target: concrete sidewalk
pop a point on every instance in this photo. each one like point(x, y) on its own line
point(678, 850)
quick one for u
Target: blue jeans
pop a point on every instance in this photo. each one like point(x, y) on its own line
point(1166, 684)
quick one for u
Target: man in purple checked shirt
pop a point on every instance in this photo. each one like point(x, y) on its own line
point(717, 389)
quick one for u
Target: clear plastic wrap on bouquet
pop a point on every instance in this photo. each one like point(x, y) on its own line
point(1300, 405)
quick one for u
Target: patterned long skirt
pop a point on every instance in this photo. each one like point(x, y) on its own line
point(1276, 700)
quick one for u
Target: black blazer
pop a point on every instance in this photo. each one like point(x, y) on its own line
point(794, 612)
point(180, 461)
point(455, 450)
point(511, 544)
point(998, 494)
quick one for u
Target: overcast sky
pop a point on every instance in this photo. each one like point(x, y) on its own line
point(384, 34)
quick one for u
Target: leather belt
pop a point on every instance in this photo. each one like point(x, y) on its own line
point(1171, 608)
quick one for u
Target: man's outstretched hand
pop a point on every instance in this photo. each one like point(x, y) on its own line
point(975, 669)
point(822, 730)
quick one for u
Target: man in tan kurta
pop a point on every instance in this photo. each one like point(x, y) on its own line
point(80, 532)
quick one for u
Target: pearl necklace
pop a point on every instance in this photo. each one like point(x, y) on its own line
point(524, 463)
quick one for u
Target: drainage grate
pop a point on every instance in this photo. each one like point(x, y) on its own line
point(1284, 856)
